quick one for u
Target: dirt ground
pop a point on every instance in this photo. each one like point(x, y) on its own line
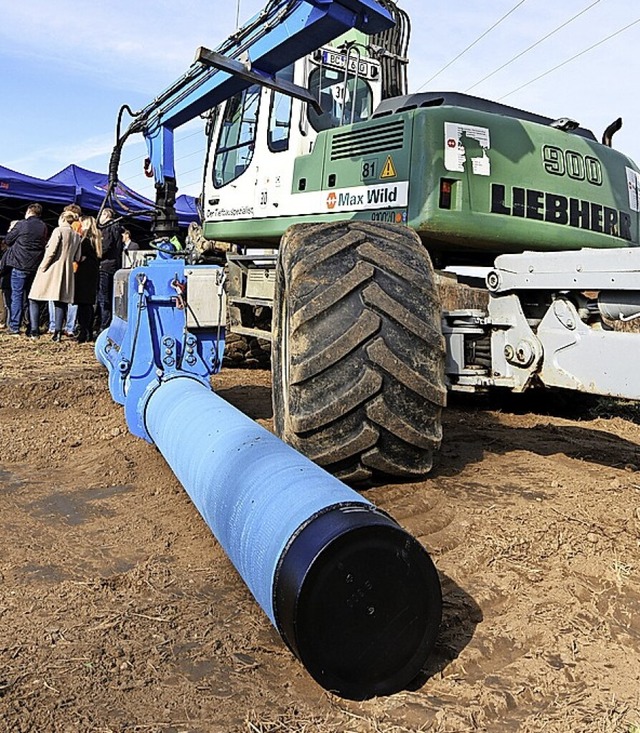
point(119, 612)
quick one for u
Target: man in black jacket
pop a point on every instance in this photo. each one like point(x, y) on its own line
point(110, 263)
point(26, 242)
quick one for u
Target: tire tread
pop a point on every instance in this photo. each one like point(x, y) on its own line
point(364, 354)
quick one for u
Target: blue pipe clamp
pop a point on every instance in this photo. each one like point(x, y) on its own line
point(354, 596)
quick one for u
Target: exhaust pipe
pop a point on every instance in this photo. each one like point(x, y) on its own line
point(607, 135)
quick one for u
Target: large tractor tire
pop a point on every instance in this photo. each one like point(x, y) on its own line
point(357, 352)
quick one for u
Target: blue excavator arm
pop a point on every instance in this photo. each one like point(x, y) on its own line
point(283, 32)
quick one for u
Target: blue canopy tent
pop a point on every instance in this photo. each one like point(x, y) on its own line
point(74, 184)
point(90, 187)
point(187, 208)
point(14, 185)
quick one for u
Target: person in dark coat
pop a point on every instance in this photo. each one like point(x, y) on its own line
point(26, 242)
point(5, 282)
point(129, 249)
point(110, 263)
point(128, 243)
point(86, 277)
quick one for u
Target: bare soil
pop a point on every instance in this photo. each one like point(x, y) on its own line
point(119, 612)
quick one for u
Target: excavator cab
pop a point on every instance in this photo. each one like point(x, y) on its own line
point(257, 135)
point(260, 132)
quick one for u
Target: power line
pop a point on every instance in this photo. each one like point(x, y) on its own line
point(177, 160)
point(191, 170)
point(177, 142)
point(183, 185)
point(471, 45)
point(573, 58)
point(533, 45)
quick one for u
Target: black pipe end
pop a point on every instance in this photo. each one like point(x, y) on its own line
point(358, 601)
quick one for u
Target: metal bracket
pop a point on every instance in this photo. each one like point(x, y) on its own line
point(245, 71)
point(583, 269)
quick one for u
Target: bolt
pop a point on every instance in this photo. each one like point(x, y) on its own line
point(508, 352)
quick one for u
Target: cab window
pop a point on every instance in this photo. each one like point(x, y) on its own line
point(280, 115)
point(236, 142)
point(341, 104)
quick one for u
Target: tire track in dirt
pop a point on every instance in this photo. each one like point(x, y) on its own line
point(120, 612)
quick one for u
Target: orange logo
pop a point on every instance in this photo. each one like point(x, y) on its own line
point(331, 200)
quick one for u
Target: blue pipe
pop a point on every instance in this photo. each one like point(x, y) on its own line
point(354, 596)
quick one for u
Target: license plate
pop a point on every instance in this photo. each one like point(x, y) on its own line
point(339, 61)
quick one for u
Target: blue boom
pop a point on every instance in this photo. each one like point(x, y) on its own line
point(283, 32)
point(355, 597)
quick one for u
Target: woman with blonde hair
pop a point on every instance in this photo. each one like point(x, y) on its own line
point(54, 279)
point(86, 277)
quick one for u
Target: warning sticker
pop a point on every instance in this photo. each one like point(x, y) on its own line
point(633, 183)
point(464, 143)
point(389, 170)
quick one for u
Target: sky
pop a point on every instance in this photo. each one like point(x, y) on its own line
point(66, 67)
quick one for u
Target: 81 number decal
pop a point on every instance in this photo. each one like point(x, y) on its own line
point(569, 163)
point(369, 169)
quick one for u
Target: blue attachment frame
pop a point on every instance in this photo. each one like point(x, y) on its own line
point(148, 341)
point(284, 32)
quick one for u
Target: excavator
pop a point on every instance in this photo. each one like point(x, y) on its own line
point(303, 152)
point(344, 202)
